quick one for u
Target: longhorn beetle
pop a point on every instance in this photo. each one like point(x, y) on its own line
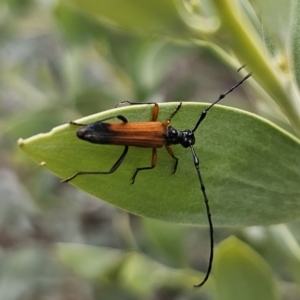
point(153, 135)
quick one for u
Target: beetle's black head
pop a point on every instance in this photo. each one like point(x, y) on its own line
point(174, 136)
point(187, 138)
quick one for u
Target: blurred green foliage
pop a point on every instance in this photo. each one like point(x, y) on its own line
point(65, 59)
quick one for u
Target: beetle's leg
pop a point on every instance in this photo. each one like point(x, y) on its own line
point(171, 153)
point(120, 117)
point(167, 122)
point(153, 164)
point(113, 168)
point(154, 112)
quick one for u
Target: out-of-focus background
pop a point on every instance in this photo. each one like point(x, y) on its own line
point(58, 64)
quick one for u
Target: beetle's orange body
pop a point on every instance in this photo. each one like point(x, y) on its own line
point(138, 134)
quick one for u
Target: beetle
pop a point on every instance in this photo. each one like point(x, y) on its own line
point(152, 134)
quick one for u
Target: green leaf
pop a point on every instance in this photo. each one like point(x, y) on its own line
point(90, 262)
point(250, 167)
point(135, 271)
point(163, 236)
point(141, 274)
point(240, 273)
point(148, 16)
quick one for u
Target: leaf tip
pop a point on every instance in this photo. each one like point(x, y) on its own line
point(21, 142)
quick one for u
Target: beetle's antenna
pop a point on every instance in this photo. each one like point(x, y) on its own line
point(240, 68)
point(222, 96)
point(208, 213)
point(202, 187)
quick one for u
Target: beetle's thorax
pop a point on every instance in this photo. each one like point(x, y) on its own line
point(174, 136)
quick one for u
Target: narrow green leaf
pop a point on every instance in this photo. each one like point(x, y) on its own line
point(287, 247)
point(276, 16)
point(241, 274)
point(245, 43)
point(250, 167)
point(295, 40)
